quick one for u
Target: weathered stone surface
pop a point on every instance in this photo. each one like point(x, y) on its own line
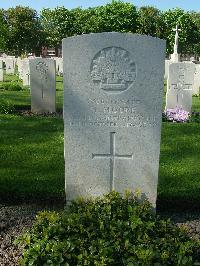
point(112, 113)
point(196, 87)
point(43, 85)
point(179, 86)
point(1, 70)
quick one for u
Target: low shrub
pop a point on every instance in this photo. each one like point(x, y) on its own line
point(11, 86)
point(112, 230)
point(6, 107)
point(195, 117)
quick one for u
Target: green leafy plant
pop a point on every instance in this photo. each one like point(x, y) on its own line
point(195, 117)
point(111, 230)
point(6, 107)
point(11, 86)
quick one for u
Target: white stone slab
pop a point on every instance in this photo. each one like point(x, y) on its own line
point(43, 85)
point(25, 72)
point(179, 86)
point(112, 113)
point(9, 65)
point(60, 65)
point(20, 71)
point(196, 87)
point(167, 62)
point(1, 70)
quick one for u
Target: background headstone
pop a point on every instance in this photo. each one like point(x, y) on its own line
point(9, 66)
point(43, 85)
point(25, 72)
point(180, 85)
point(1, 70)
point(167, 62)
point(196, 87)
point(112, 113)
point(19, 65)
point(60, 66)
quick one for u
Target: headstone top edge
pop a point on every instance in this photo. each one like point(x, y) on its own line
point(135, 35)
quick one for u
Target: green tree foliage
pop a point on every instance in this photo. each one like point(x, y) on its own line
point(196, 18)
point(85, 20)
point(57, 24)
point(117, 16)
point(24, 31)
point(3, 30)
point(189, 35)
point(60, 22)
point(149, 21)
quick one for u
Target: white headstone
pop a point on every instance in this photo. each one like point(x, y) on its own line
point(20, 70)
point(25, 72)
point(1, 70)
point(179, 86)
point(167, 62)
point(19, 65)
point(196, 87)
point(43, 85)
point(56, 60)
point(9, 66)
point(60, 66)
point(112, 113)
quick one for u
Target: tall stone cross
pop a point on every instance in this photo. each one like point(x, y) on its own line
point(176, 39)
point(112, 156)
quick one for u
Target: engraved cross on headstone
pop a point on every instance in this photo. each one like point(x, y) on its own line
point(180, 87)
point(112, 156)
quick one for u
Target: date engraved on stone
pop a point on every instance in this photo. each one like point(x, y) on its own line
point(113, 70)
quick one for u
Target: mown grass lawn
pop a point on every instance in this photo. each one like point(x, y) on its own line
point(32, 161)
point(31, 157)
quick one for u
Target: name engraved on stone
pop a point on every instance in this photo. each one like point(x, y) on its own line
point(113, 70)
point(112, 156)
point(42, 69)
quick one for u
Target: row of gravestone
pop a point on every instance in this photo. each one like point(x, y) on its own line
point(10, 66)
point(112, 110)
point(23, 67)
point(40, 75)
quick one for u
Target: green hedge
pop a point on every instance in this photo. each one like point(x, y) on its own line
point(112, 230)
